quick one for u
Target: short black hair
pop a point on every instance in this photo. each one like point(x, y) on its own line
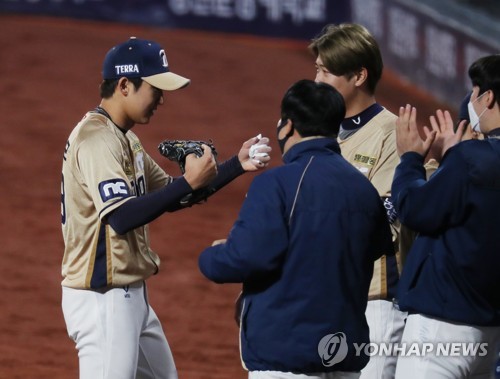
point(107, 87)
point(485, 73)
point(316, 109)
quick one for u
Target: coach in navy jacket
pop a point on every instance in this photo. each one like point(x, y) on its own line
point(450, 284)
point(304, 245)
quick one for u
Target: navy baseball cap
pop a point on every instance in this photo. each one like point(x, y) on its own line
point(138, 58)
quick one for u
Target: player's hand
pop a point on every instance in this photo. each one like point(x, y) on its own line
point(407, 135)
point(200, 171)
point(260, 158)
point(446, 136)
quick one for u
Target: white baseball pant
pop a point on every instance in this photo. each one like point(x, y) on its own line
point(117, 334)
point(386, 324)
point(456, 365)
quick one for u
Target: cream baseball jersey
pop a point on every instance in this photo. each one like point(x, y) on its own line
point(372, 150)
point(103, 167)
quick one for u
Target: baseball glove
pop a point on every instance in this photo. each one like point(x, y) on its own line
point(177, 151)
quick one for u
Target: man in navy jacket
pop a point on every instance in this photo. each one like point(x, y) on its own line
point(303, 246)
point(450, 285)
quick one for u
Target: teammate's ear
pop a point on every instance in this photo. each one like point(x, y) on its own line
point(491, 99)
point(123, 86)
point(288, 126)
point(361, 76)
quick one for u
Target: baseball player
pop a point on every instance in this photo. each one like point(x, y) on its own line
point(111, 189)
point(450, 285)
point(348, 58)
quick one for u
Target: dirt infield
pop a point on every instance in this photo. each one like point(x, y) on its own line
point(50, 77)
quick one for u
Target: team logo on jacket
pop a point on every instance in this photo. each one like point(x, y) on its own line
point(332, 349)
point(114, 188)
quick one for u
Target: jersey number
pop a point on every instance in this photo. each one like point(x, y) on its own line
point(139, 186)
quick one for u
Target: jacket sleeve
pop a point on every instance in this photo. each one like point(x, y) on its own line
point(426, 206)
point(258, 240)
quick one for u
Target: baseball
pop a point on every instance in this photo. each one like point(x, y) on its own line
point(254, 149)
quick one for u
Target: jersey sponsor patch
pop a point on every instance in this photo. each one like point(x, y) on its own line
point(114, 188)
point(136, 146)
point(370, 161)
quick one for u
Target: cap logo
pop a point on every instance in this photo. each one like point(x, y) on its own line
point(163, 58)
point(126, 69)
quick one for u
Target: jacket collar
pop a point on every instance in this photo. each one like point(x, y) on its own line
point(319, 145)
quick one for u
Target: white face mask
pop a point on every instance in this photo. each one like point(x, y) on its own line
point(474, 118)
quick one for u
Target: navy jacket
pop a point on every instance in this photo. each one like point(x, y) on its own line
point(303, 246)
point(452, 269)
